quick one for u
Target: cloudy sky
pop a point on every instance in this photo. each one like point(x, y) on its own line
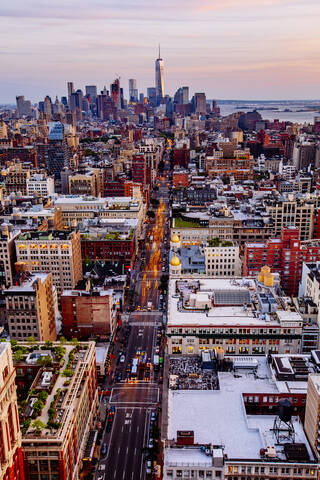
point(231, 49)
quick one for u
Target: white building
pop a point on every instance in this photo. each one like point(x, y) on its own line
point(223, 261)
point(240, 315)
point(227, 442)
point(40, 184)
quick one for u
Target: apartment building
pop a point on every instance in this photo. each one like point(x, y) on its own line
point(241, 315)
point(31, 308)
point(56, 251)
point(57, 450)
point(11, 461)
point(284, 255)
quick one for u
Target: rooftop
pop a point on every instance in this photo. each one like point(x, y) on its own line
point(56, 385)
point(204, 301)
point(208, 410)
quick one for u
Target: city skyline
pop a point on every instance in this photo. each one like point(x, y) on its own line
point(258, 50)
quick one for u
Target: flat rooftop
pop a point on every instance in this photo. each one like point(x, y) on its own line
point(208, 411)
point(243, 292)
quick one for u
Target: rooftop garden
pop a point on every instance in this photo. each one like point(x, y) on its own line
point(42, 408)
point(180, 223)
point(217, 242)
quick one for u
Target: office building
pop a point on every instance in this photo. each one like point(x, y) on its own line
point(40, 184)
point(11, 460)
point(67, 434)
point(16, 177)
point(133, 91)
point(31, 307)
point(56, 251)
point(181, 96)
point(91, 91)
point(159, 78)
point(70, 90)
point(57, 149)
point(88, 313)
point(23, 107)
point(115, 93)
point(199, 103)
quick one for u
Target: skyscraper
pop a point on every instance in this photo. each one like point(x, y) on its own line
point(115, 93)
point(91, 91)
point(159, 78)
point(133, 91)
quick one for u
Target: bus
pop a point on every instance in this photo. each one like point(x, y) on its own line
point(134, 368)
point(156, 362)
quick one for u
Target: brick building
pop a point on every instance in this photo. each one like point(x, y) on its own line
point(86, 313)
point(284, 255)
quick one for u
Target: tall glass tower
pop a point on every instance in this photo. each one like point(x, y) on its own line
point(159, 78)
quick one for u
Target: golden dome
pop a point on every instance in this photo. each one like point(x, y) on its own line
point(175, 261)
point(175, 239)
point(265, 269)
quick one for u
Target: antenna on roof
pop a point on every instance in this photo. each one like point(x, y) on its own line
point(159, 51)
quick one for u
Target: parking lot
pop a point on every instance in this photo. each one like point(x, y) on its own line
point(186, 373)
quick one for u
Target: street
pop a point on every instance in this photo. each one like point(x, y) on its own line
point(135, 400)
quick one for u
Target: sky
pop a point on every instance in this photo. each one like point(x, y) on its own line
point(231, 49)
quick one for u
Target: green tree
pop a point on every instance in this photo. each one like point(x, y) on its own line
point(18, 356)
point(38, 425)
point(67, 372)
point(44, 361)
point(31, 340)
point(75, 341)
point(48, 344)
point(43, 396)
point(63, 341)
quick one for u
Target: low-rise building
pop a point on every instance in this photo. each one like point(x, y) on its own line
point(86, 313)
point(248, 426)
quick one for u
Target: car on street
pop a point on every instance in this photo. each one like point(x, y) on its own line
point(104, 449)
point(149, 465)
point(122, 359)
point(150, 444)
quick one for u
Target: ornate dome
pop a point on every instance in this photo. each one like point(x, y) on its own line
point(175, 261)
point(175, 239)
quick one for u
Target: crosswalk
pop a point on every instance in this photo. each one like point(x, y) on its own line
point(152, 323)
